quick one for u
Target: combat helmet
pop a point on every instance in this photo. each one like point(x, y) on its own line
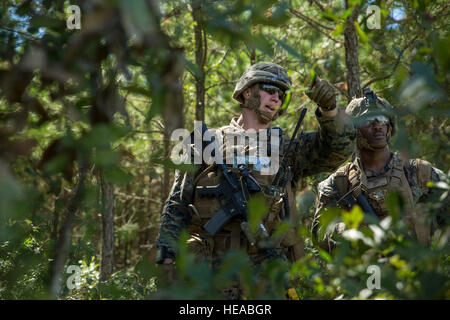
point(262, 72)
point(360, 109)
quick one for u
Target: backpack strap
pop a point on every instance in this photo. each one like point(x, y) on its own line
point(398, 169)
point(348, 179)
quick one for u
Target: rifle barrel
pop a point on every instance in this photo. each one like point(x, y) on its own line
point(285, 156)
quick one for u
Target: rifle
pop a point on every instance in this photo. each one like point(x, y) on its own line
point(230, 190)
point(349, 201)
point(236, 202)
point(278, 186)
point(235, 206)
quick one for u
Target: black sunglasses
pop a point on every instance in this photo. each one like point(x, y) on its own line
point(271, 89)
point(381, 119)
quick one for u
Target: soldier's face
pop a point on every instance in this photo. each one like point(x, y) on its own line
point(270, 103)
point(266, 101)
point(376, 134)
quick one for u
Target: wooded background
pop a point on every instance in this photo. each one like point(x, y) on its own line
point(86, 117)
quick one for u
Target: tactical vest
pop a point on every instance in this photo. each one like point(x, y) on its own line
point(352, 177)
point(231, 237)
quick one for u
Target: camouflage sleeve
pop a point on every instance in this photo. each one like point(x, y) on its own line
point(434, 195)
point(419, 173)
point(327, 148)
point(176, 215)
point(436, 175)
point(328, 193)
point(443, 216)
point(328, 197)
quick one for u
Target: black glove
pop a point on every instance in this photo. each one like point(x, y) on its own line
point(164, 253)
point(323, 93)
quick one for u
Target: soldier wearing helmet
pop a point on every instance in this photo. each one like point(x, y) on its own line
point(263, 93)
point(375, 171)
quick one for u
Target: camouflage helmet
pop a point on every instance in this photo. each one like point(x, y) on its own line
point(262, 72)
point(370, 105)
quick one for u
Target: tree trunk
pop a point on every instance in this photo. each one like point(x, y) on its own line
point(125, 255)
point(200, 60)
point(351, 54)
point(107, 263)
point(166, 174)
point(65, 233)
point(253, 56)
point(54, 234)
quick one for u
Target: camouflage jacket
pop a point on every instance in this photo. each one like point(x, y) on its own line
point(416, 173)
point(315, 152)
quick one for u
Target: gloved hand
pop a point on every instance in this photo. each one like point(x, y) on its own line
point(165, 255)
point(323, 93)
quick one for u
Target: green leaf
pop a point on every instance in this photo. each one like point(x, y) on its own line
point(281, 230)
point(439, 185)
point(394, 204)
point(257, 208)
point(338, 30)
point(117, 175)
point(312, 74)
point(329, 15)
point(47, 22)
point(192, 68)
point(352, 3)
point(288, 48)
point(353, 218)
point(328, 219)
point(325, 256)
point(347, 13)
point(261, 43)
point(168, 163)
point(138, 90)
point(106, 158)
point(361, 33)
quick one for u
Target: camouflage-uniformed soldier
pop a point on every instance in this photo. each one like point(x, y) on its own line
point(260, 91)
point(375, 171)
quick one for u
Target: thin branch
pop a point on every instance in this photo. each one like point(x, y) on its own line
point(220, 61)
point(173, 13)
point(23, 33)
point(133, 197)
point(147, 131)
point(320, 5)
point(309, 20)
point(396, 64)
point(315, 25)
point(220, 84)
point(343, 92)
